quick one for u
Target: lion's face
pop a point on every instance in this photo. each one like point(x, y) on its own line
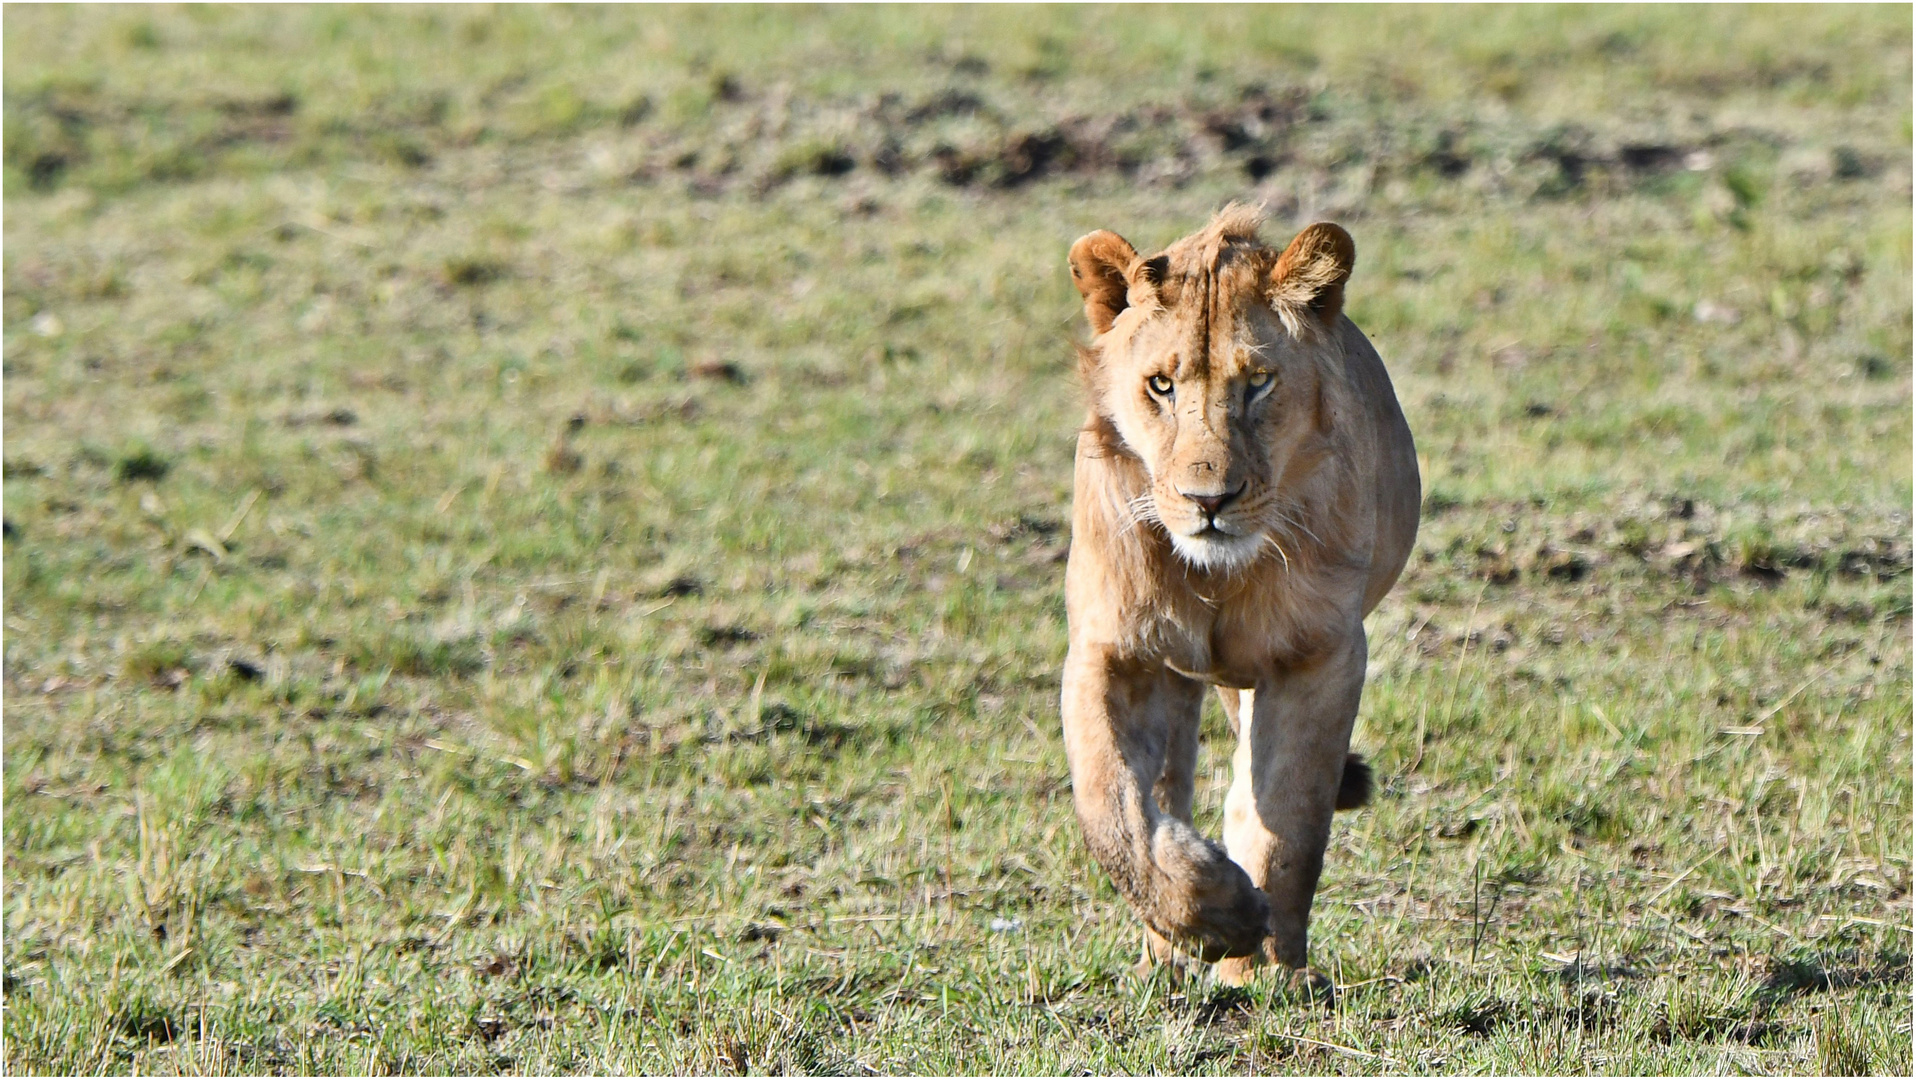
point(1215, 427)
point(1209, 364)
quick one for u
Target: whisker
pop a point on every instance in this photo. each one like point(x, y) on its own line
point(1277, 510)
point(1139, 510)
point(1281, 553)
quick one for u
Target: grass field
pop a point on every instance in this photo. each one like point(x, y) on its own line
point(534, 536)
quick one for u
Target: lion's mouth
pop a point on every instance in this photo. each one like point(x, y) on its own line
point(1213, 529)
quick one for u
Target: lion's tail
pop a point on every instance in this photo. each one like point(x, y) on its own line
point(1354, 790)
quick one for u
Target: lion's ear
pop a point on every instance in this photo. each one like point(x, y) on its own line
point(1310, 275)
point(1098, 264)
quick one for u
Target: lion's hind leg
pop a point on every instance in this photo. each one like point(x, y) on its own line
point(1160, 952)
point(1354, 787)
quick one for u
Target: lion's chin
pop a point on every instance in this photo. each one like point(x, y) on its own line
point(1217, 552)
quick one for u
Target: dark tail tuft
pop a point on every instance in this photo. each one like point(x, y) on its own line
point(1354, 790)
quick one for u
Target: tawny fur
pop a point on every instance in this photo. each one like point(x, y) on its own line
point(1246, 491)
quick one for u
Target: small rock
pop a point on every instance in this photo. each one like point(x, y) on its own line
point(1709, 311)
point(1846, 163)
point(683, 586)
point(721, 370)
point(1512, 357)
point(562, 459)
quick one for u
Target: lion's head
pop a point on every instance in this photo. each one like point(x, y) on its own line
point(1209, 362)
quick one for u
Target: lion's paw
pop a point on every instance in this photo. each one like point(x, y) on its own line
point(1304, 983)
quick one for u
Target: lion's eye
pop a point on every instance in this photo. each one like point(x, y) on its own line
point(1159, 385)
point(1259, 384)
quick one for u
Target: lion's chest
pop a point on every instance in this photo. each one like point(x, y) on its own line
point(1239, 640)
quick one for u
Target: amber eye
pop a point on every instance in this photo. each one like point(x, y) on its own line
point(1260, 379)
point(1159, 385)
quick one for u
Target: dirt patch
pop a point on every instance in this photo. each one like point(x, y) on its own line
point(967, 140)
point(760, 137)
point(1592, 1011)
point(1674, 539)
point(1790, 976)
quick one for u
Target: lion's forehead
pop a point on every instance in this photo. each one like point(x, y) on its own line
point(1182, 347)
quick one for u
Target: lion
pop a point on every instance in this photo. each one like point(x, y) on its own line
point(1246, 491)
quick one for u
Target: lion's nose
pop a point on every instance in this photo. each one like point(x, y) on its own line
point(1213, 503)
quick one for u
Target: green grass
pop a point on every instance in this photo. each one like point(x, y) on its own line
point(533, 535)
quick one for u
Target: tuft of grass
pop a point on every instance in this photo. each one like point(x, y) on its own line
point(474, 270)
point(141, 463)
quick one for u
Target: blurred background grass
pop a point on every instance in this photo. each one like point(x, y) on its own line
point(533, 535)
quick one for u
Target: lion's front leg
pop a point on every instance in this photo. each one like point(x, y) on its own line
point(1123, 720)
point(1174, 791)
point(1293, 741)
